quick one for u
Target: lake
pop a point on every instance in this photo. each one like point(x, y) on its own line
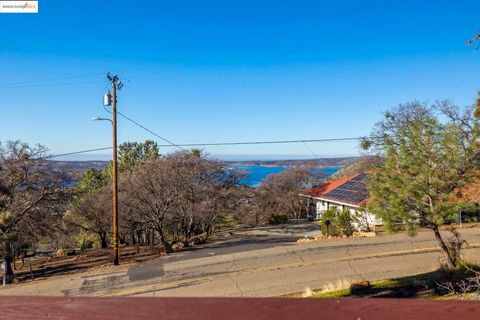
point(255, 174)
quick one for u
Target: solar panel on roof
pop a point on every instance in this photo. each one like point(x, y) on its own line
point(352, 191)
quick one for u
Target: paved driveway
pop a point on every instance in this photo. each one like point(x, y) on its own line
point(258, 263)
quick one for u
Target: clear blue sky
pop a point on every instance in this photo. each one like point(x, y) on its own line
point(207, 71)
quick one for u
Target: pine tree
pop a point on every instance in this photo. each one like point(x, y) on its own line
point(426, 164)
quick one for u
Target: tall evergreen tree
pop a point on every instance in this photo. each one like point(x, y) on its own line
point(133, 154)
point(427, 163)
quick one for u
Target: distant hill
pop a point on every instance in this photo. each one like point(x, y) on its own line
point(320, 162)
point(78, 166)
point(361, 165)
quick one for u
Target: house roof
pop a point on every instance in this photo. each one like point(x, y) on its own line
point(469, 193)
point(328, 186)
point(351, 189)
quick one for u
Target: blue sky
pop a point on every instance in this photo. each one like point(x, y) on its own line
point(208, 71)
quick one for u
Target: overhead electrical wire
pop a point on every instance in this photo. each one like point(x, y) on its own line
point(214, 144)
point(209, 144)
point(264, 142)
point(73, 153)
point(181, 146)
point(151, 132)
point(49, 81)
point(311, 151)
point(53, 82)
point(170, 143)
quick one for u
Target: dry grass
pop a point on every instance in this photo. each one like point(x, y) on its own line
point(92, 259)
point(339, 284)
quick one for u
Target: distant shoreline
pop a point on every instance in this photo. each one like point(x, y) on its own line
point(321, 163)
point(281, 166)
point(318, 163)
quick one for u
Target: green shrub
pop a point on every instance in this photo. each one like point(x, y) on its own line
point(84, 240)
point(341, 222)
point(330, 214)
point(277, 219)
point(86, 244)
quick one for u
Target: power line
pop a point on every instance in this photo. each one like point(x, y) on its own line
point(150, 131)
point(45, 82)
point(51, 84)
point(209, 144)
point(51, 81)
point(304, 141)
point(311, 151)
point(180, 146)
point(146, 129)
point(264, 142)
point(26, 83)
point(74, 152)
point(170, 143)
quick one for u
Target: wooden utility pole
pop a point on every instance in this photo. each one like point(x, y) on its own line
point(116, 248)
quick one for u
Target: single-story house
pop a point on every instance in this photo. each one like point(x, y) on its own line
point(349, 192)
point(470, 193)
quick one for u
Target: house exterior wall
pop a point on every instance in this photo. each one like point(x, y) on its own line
point(321, 208)
point(324, 205)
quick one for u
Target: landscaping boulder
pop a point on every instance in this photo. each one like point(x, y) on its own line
point(200, 239)
point(178, 245)
point(359, 286)
point(60, 253)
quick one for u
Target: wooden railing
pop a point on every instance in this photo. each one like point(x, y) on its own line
point(233, 309)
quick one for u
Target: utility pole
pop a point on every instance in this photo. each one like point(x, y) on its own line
point(110, 99)
point(116, 84)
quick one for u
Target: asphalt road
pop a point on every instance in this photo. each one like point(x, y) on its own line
point(262, 262)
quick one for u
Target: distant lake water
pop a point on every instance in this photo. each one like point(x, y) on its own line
point(256, 174)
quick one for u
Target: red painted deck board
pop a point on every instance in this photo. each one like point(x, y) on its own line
point(233, 308)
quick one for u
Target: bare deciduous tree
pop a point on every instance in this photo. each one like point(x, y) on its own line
point(177, 197)
point(94, 214)
point(280, 193)
point(32, 198)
